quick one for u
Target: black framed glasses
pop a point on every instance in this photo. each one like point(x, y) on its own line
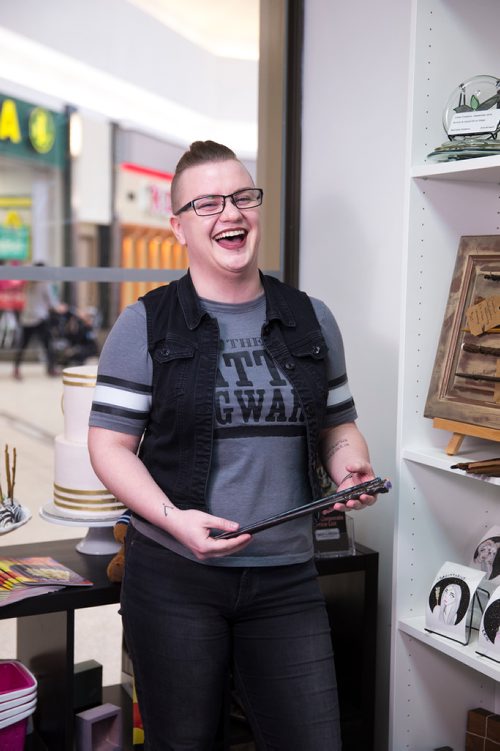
point(246, 198)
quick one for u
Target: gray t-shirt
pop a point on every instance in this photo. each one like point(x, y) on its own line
point(259, 460)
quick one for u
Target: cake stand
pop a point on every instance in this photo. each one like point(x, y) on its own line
point(99, 539)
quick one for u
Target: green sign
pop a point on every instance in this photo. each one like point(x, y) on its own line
point(15, 243)
point(31, 132)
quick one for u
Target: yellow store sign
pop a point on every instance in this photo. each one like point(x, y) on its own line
point(32, 132)
point(9, 122)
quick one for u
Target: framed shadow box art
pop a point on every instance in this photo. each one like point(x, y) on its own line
point(465, 383)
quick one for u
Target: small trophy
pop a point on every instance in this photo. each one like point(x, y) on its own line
point(471, 120)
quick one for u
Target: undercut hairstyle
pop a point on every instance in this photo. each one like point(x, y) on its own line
point(200, 152)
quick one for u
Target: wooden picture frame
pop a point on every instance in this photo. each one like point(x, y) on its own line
point(465, 382)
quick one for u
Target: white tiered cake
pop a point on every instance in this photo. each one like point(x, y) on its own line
point(78, 492)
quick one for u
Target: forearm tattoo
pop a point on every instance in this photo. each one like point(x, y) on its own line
point(340, 444)
point(165, 507)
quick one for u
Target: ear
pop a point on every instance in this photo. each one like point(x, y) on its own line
point(176, 225)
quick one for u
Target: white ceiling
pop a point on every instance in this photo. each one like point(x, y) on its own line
point(228, 28)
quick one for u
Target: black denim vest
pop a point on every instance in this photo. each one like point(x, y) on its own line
point(183, 341)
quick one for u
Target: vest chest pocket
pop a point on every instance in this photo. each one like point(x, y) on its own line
point(314, 346)
point(309, 356)
point(172, 362)
point(172, 349)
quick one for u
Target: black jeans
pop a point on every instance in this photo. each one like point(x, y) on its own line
point(188, 625)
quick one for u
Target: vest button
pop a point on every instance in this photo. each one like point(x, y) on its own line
point(289, 365)
point(165, 352)
point(316, 349)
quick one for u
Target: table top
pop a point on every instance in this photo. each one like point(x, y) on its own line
point(103, 592)
point(92, 567)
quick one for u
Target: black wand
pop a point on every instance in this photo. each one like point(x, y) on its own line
point(371, 487)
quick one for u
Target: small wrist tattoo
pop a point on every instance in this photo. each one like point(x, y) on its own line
point(165, 507)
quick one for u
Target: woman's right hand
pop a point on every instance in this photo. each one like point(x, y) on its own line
point(193, 529)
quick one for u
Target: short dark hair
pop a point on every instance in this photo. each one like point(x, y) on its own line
point(200, 152)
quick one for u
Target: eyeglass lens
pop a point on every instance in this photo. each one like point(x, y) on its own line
point(247, 198)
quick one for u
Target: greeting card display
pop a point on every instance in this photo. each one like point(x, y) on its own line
point(451, 601)
point(488, 643)
point(486, 558)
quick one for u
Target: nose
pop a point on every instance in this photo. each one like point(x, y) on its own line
point(230, 209)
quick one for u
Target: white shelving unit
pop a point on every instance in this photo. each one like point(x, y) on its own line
point(442, 512)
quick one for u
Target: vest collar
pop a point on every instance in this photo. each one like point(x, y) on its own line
point(276, 305)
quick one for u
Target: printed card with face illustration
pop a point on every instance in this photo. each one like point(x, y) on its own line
point(486, 558)
point(450, 603)
point(488, 643)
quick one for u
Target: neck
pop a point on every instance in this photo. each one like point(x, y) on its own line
point(228, 290)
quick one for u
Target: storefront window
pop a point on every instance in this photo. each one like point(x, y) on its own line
point(84, 203)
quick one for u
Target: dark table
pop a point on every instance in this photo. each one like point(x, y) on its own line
point(46, 639)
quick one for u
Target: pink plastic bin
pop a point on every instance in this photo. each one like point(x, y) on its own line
point(15, 680)
point(13, 736)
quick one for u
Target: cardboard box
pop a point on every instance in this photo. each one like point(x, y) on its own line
point(493, 728)
point(474, 742)
point(476, 721)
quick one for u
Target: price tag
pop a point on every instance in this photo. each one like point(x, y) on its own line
point(484, 316)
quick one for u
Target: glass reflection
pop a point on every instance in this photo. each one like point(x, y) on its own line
point(47, 326)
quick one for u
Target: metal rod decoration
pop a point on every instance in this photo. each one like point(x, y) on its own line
point(10, 475)
point(481, 349)
point(489, 467)
point(7, 469)
point(479, 377)
point(13, 480)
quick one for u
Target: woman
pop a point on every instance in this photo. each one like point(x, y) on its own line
point(447, 609)
point(214, 396)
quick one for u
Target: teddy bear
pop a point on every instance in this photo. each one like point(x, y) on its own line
point(117, 563)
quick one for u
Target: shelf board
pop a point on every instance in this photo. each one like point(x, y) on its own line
point(485, 169)
point(466, 654)
point(437, 457)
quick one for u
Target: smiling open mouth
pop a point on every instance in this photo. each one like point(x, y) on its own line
point(233, 238)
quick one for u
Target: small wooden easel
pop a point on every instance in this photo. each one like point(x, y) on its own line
point(462, 429)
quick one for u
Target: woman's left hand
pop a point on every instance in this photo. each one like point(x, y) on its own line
point(357, 473)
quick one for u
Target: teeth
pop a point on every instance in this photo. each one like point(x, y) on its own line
point(229, 233)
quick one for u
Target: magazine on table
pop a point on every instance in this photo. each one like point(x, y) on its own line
point(29, 577)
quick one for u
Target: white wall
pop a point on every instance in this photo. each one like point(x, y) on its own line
point(354, 140)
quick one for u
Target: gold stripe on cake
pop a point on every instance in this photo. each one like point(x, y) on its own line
point(59, 501)
point(72, 491)
point(90, 504)
point(98, 502)
point(82, 507)
point(83, 385)
point(70, 374)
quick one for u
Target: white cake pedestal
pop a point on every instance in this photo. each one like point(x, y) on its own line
point(99, 539)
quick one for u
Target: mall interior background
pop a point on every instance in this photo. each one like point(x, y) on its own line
point(129, 81)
